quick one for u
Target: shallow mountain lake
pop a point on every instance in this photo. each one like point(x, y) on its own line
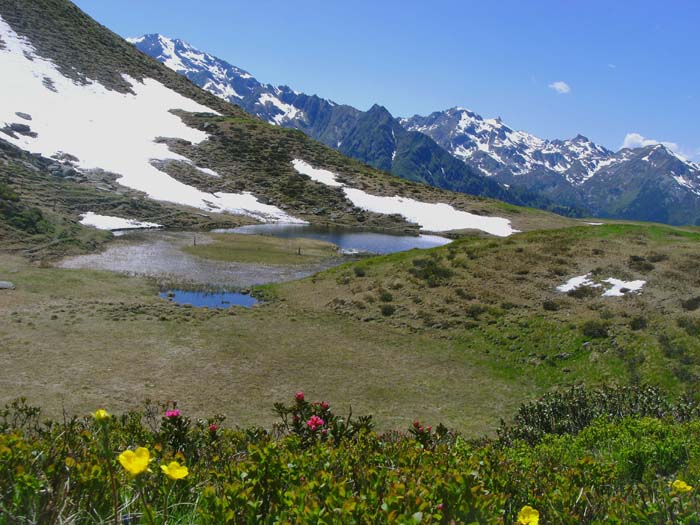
point(209, 299)
point(349, 241)
point(163, 254)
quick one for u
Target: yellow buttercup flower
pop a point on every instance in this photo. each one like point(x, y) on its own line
point(101, 414)
point(174, 470)
point(679, 487)
point(136, 461)
point(528, 516)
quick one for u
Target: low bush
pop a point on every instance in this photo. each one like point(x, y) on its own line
point(430, 270)
point(615, 455)
point(595, 329)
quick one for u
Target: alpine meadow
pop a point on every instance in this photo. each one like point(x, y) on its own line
point(226, 301)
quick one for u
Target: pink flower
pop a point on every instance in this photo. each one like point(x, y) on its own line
point(428, 429)
point(315, 422)
point(299, 396)
point(213, 428)
point(172, 413)
point(416, 424)
point(440, 506)
point(324, 405)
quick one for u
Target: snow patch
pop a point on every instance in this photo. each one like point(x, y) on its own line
point(323, 176)
point(429, 216)
point(617, 288)
point(108, 130)
point(207, 171)
point(576, 282)
point(109, 222)
point(289, 112)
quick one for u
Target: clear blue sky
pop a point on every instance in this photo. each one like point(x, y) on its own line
point(631, 66)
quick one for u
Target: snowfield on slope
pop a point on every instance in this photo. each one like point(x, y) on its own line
point(109, 222)
point(438, 217)
point(108, 130)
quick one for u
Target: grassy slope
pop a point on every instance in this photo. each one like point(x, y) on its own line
point(464, 358)
point(493, 308)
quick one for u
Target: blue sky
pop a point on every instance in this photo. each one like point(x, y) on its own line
point(630, 66)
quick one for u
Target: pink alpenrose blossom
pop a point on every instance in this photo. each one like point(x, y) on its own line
point(172, 413)
point(315, 422)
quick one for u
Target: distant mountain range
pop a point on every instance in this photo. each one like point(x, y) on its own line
point(459, 150)
point(650, 183)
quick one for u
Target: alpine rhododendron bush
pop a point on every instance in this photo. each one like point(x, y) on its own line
point(617, 455)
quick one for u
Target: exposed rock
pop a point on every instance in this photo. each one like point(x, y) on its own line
point(25, 116)
point(6, 285)
point(65, 157)
point(15, 129)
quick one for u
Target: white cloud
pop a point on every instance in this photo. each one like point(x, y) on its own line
point(636, 140)
point(560, 87)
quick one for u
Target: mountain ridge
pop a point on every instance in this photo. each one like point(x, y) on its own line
point(551, 174)
point(374, 137)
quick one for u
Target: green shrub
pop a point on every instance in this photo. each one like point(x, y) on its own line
point(359, 271)
point(388, 310)
point(638, 323)
point(691, 304)
point(386, 297)
point(583, 292)
point(550, 306)
point(570, 411)
point(430, 270)
point(595, 329)
point(577, 457)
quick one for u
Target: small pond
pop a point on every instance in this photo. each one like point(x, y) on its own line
point(210, 299)
point(349, 241)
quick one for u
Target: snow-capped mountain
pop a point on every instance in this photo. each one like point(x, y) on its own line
point(278, 105)
point(575, 171)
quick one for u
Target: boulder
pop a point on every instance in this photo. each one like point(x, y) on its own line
point(6, 285)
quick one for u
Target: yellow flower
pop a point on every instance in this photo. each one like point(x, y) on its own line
point(528, 516)
point(679, 487)
point(174, 470)
point(101, 414)
point(70, 462)
point(135, 461)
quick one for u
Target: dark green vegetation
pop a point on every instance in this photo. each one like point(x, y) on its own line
point(631, 456)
